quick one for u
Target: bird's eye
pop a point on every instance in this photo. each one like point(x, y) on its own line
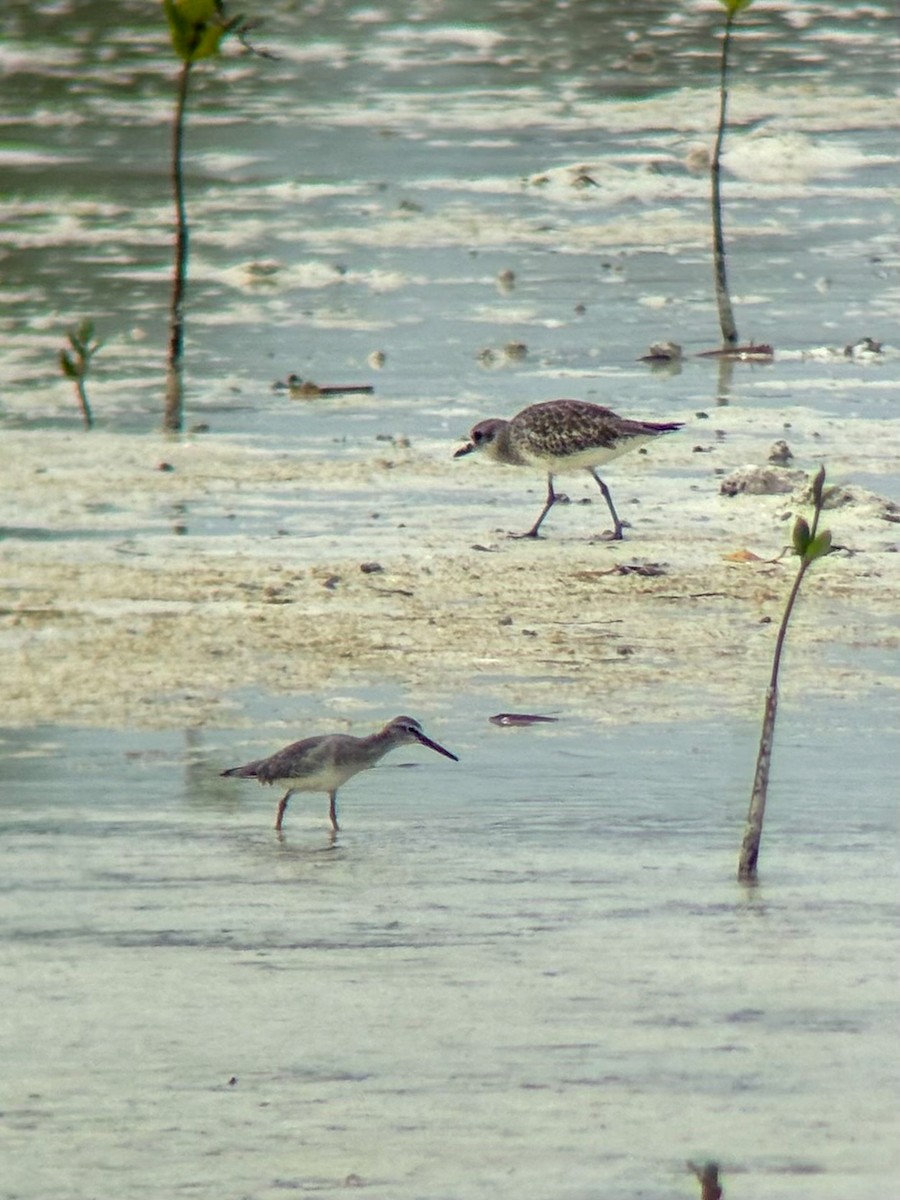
point(477, 436)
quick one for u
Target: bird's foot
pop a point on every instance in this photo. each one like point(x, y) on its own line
point(532, 533)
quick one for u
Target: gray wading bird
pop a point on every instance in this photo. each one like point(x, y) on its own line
point(323, 764)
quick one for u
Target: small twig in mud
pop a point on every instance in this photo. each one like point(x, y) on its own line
point(808, 545)
point(520, 719)
point(749, 353)
point(646, 570)
point(694, 595)
point(242, 33)
point(305, 389)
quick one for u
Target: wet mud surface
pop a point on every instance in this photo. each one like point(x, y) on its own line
point(150, 597)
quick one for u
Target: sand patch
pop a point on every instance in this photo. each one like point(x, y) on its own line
point(139, 596)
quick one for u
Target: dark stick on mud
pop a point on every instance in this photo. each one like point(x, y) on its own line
point(521, 719)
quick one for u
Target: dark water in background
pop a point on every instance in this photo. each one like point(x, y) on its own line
point(380, 162)
point(533, 975)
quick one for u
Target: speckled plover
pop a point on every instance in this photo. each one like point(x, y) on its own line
point(563, 435)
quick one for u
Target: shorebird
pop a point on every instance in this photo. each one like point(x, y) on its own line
point(323, 764)
point(563, 435)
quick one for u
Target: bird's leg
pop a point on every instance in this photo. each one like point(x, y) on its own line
point(332, 810)
point(552, 498)
point(282, 805)
point(617, 524)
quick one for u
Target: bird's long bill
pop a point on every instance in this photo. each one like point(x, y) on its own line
point(426, 741)
point(466, 449)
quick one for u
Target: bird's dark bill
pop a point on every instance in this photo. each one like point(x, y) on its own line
point(467, 449)
point(426, 741)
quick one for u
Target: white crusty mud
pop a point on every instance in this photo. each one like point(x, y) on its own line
point(146, 582)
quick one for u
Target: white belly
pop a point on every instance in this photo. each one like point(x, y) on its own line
point(319, 779)
point(594, 456)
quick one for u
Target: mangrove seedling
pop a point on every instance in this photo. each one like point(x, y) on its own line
point(197, 28)
point(723, 297)
point(808, 545)
point(76, 363)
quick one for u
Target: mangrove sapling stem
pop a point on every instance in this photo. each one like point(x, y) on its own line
point(809, 545)
point(197, 28)
point(723, 298)
point(708, 1176)
point(173, 417)
point(757, 811)
point(87, 415)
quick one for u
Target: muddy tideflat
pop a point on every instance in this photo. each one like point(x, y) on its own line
point(147, 597)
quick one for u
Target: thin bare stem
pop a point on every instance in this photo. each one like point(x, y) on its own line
point(757, 811)
point(708, 1177)
point(83, 401)
point(723, 298)
point(173, 418)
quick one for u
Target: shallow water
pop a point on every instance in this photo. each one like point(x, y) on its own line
point(364, 191)
point(532, 973)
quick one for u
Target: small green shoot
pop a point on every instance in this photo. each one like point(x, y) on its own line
point(723, 297)
point(76, 364)
point(808, 545)
point(197, 27)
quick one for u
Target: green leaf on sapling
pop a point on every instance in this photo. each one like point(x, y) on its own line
point(819, 546)
point(801, 537)
point(197, 27)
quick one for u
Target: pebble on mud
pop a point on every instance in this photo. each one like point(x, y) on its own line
point(780, 453)
point(760, 481)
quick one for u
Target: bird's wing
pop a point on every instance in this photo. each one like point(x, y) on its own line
point(560, 427)
point(305, 757)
